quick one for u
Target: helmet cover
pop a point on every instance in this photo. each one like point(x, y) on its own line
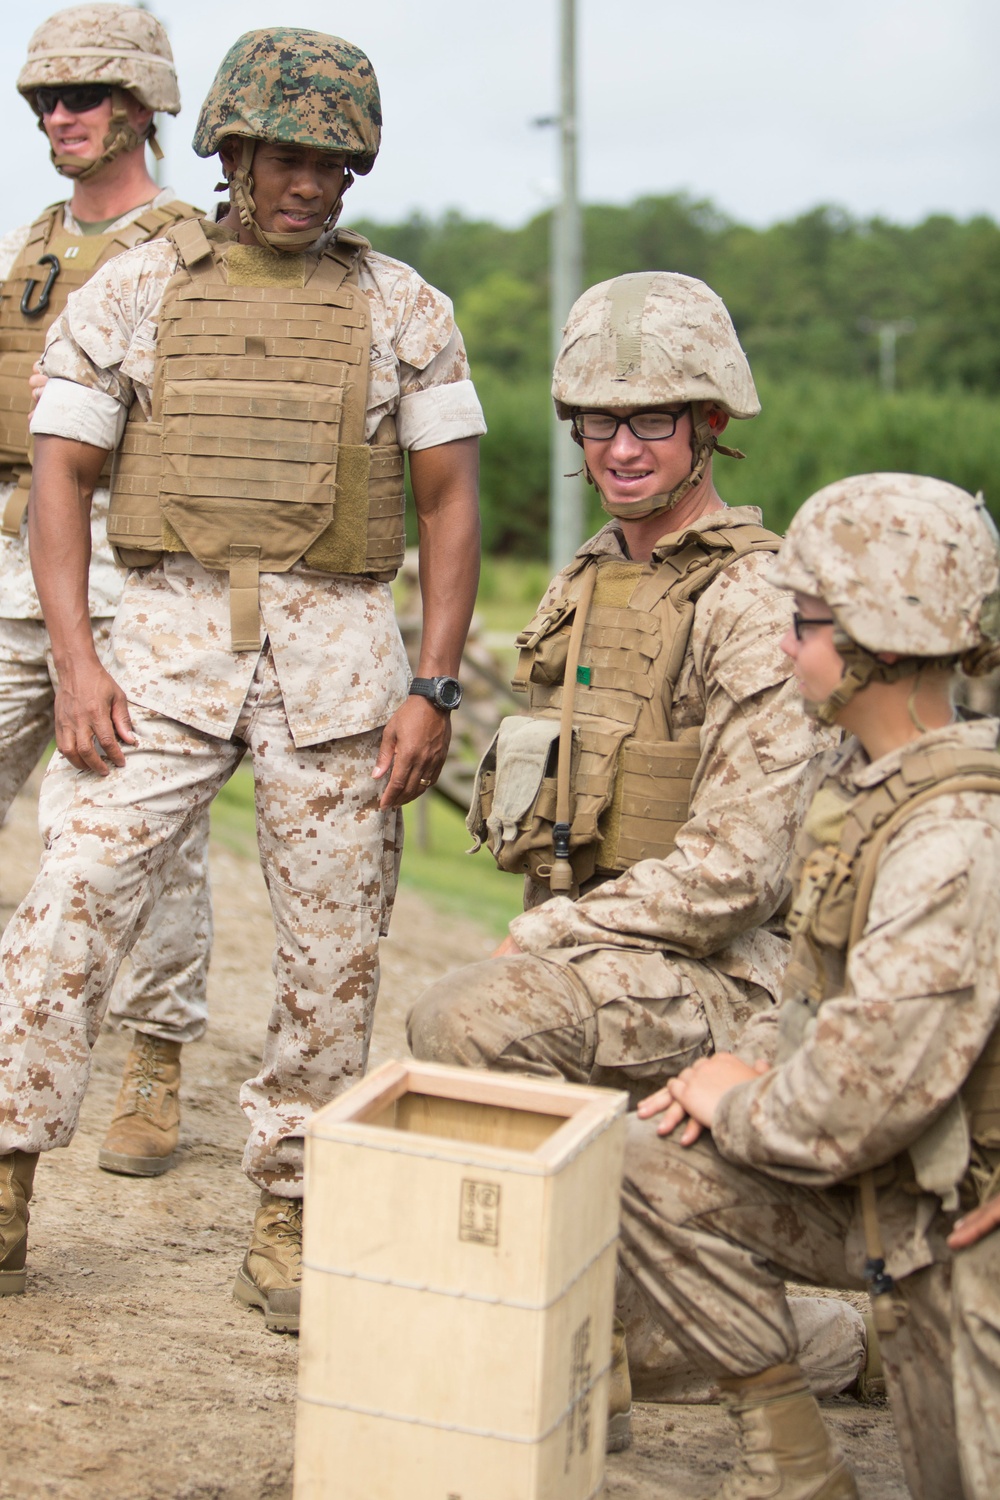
point(302, 88)
point(649, 339)
point(906, 564)
point(118, 45)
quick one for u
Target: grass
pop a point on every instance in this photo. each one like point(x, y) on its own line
point(451, 880)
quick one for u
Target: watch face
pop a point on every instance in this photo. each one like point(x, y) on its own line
point(449, 692)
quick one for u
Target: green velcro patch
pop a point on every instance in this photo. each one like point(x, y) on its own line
point(583, 675)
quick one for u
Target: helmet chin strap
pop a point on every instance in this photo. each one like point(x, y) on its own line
point(703, 444)
point(241, 194)
point(860, 668)
point(121, 137)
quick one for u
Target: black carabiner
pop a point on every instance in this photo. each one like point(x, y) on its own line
point(43, 301)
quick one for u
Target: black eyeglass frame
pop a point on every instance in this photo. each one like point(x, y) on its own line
point(628, 422)
point(73, 97)
point(799, 622)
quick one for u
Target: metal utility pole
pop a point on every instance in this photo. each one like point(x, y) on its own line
point(565, 494)
point(888, 331)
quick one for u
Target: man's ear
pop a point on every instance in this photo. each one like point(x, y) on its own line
point(227, 155)
point(889, 658)
point(718, 419)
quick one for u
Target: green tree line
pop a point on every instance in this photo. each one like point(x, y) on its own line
point(800, 293)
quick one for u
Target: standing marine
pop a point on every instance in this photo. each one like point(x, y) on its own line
point(95, 76)
point(261, 382)
point(853, 1125)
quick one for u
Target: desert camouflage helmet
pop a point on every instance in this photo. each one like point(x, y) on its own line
point(651, 338)
point(905, 564)
point(118, 45)
point(655, 338)
point(300, 87)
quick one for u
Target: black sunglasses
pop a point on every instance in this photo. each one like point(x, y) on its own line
point(799, 622)
point(77, 98)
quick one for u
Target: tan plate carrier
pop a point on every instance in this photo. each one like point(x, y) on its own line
point(603, 659)
point(840, 846)
point(255, 456)
point(22, 336)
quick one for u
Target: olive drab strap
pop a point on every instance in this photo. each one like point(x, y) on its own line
point(254, 457)
point(605, 663)
point(52, 264)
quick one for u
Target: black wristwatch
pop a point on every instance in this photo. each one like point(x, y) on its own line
point(444, 692)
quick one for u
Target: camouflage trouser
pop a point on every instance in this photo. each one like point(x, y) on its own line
point(709, 1243)
point(616, 1017)
point(164, 992)
point(329, 856)
point(833, 1347)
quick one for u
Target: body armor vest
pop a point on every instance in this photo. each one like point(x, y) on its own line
point(52, 264)
point(839, 848)
point(254, 457)
point(605, 657)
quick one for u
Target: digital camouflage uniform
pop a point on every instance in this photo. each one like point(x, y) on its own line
point(164, 991)
point(633, 980)
point(308, 704)
point(866, 1078)
point(644, 972)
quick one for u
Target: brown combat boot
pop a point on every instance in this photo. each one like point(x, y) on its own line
point(786, 1452)
point(17, 1176)
point(271, 1274)
point(142, 1137)
point(619, 1393)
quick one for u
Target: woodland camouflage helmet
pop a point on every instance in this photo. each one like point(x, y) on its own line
point(118, 45)
point(302, 88)
point(655, 338)
point(905, 564)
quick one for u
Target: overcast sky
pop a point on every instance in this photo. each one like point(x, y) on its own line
point(883, 106)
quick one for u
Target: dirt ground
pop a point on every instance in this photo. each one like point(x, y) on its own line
point(128, 1373)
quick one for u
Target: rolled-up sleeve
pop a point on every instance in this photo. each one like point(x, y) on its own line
point(68, 410)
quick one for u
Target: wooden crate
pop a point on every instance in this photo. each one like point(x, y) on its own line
point(458, 1288)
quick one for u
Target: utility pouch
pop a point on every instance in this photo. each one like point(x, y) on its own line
point(514, 800)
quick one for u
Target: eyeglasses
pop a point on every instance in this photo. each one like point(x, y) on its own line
point(647, 426)
point(800, 622)
point(77, 98)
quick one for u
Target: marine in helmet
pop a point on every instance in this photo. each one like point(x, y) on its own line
point(262, 381)
point(849, 1129)
point(651, 790)
point(95, 77)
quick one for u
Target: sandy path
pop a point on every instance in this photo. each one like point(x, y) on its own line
point(126, 1372)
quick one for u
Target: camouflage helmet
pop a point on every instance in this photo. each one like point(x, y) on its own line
point(118, 45)
point(651, 338)
point(906, 565)
point(299, 87)
point(654, 338)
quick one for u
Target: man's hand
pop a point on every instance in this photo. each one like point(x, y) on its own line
point(695, 1093)
point(36, 382)
point(414, 745)
point(91, 706)
point(976, 1225)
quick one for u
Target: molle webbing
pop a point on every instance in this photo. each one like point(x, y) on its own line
point(255, 455)
point(22, 336)
point(632, 772)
